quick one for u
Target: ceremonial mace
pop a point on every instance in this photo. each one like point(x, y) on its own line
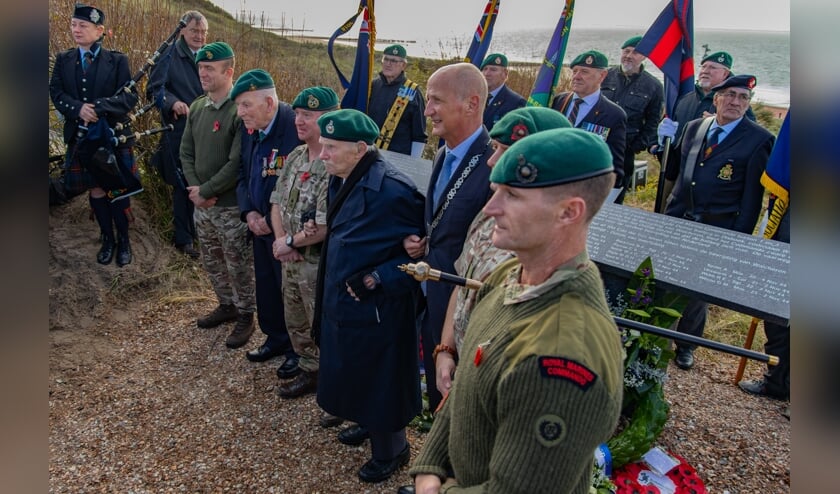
point(421, 271)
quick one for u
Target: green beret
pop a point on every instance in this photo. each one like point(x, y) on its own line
point(591, 58)
point(523, 122)
point(495, 59)
point(213, 52)
point(251, 80)
point(395, 51)
point(88, 13)
point(720, 57)
point(553, 157)
point(631, 42)
point(348, 125)
point(742, 81)
point(317, 98)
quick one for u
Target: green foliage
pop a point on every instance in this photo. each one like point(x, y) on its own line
point(644, 409)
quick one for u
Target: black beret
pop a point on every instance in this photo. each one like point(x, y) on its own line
point(743, 81)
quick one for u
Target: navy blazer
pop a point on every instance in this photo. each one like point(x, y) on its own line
point(111, 75)
point(446, 240)
point(609, 118)
point(253, 190)
point(726, 186)
point(179, 82)
point(505, 101)
point(173, 79)
point(369, 356)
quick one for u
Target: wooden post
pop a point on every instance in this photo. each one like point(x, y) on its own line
point(748, 345)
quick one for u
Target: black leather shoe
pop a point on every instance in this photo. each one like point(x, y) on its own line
point(106, 252)
point(353, 435)
point(123, 252)
point(406, 489)
point(304, 384)
point(188, 250)
point(760, 388)
point(378, 470)
point(684, 358)
point(262, 353)
point(327, 420)
point(289, 369)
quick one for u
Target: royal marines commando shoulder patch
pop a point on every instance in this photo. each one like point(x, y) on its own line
point(568, 370)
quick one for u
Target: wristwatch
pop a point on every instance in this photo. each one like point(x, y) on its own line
point(290, 240)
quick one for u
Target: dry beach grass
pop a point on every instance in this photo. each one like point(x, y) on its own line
point(141, 400)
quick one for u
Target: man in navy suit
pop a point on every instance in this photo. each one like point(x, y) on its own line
point(588, 109)
point(500, 99)
point(715, 172)
point(270, 138)
point(458, 188)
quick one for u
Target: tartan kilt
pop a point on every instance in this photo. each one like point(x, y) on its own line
point(78, 179)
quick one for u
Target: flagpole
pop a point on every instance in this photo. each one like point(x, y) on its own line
point(659, 203)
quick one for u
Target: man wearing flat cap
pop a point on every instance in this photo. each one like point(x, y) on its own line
point(210, 155)
point(714, 69)
point(85, 86)
point(588, 109)
point(715, 174)
point(269, 136)
point(365, 306)
point(396, 105)
point(300, 199)
point(500, 98)
point(543, 386)
point(640, 95)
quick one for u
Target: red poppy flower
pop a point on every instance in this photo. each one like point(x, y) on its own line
point(305, 176)
point(216, 126)
point(519, 131)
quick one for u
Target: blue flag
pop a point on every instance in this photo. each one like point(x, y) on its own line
point(669, 44)
point(552, 65)
point(358, 87)
point(483, 34)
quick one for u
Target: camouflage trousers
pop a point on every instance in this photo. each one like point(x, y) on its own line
point(226, 255)
point(299, 279)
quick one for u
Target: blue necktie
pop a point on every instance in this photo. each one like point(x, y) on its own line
point(261, 136)
point(87, 59)
point(712, 140)
point(714, 136)
point(443, 178)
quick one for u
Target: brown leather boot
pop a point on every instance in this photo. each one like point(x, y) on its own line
point(303, 384)
point(241, 331)
point(222, 313)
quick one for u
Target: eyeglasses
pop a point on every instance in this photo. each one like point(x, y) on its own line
point(742, 97)
point(391, 60)
point(202, 32)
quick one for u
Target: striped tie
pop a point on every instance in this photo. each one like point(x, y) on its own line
point(712, 140)
point(574, 113)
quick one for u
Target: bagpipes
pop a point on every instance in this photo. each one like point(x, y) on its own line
point(96, 143)
point(421, 271)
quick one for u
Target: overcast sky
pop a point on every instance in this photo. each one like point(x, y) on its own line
point(409, 19)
